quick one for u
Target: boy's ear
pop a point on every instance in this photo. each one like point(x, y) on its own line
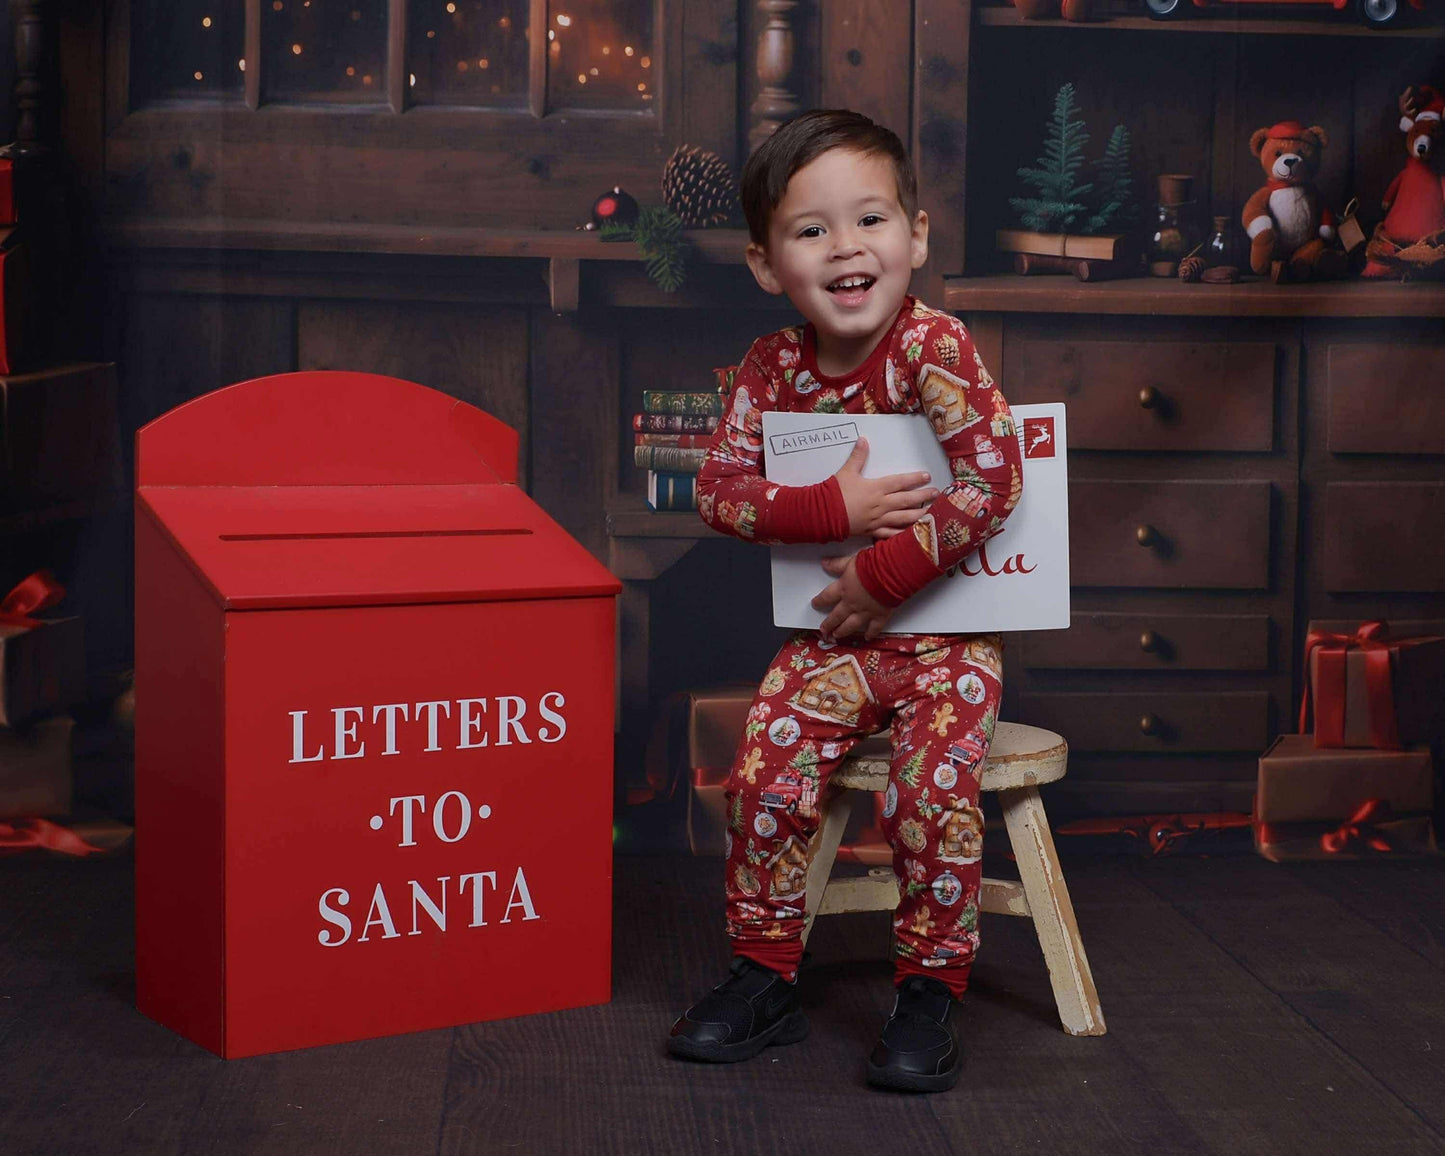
point(757, 258)
point(918, 244)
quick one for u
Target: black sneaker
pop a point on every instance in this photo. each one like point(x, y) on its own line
point(918, 1051)
point(752, 1009)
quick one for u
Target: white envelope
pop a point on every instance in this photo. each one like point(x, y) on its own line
point(1019, 580)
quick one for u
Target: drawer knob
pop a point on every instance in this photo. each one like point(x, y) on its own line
point(1148, 725)
point(1146, 535)
point(1148, 642)
point(1149, 397)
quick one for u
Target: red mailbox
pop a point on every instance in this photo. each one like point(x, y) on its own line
point(374, 715)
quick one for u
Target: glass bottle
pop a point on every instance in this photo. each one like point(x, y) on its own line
point(1223, 246)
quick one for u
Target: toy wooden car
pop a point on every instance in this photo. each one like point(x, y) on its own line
point(1375, 13)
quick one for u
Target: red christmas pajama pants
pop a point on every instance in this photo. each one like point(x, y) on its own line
point(816, 702)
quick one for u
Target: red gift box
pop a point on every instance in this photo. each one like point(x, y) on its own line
point(1341, 804)
point(1372, 690)
point(15, 294)
point(7, 192)
point(42, 660)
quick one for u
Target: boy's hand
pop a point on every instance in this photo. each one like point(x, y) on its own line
point(881, 506)
point(849, 607)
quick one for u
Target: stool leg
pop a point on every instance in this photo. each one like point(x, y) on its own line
point(823, 850)
point(1053, 913)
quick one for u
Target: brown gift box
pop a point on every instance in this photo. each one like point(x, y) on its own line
point(1417, 682)
point(1302, 783)
point(1314, 803)
point(35, 776)
point(42, 669)
point(59, 438)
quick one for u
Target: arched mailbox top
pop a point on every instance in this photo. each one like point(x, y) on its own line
point(325, 428)
point(351, 489)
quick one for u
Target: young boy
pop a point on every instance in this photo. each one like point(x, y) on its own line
point(832, 213)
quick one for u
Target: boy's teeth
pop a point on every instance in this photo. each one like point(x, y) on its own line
point(852, 283)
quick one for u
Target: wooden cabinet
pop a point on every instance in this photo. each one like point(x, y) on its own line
point(1198, 558)
point(1242, 458)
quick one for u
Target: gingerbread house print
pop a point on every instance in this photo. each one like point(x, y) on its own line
point(835, 693)
point(789, 870)
point(945, 400)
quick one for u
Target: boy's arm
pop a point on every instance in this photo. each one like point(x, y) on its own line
point(977, 433)
point(735, 498)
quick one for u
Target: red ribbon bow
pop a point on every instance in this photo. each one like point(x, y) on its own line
point(1379, 691)
point(1359, 830)
point(40, 591)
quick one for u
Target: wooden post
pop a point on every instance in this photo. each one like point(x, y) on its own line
point(778, 99)
point(30, 57)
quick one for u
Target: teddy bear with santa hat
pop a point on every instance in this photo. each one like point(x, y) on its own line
point(1410, 241)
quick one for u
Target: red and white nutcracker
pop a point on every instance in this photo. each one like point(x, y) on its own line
point(365, 661)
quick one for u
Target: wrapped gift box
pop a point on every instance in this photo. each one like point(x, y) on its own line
point(1336, 803)
point(59, 437)
point(1373, 690)
point(42, 669)
point(7, 192)
point(35, 776)
point(16, 293)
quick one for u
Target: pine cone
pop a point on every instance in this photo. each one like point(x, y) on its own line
point(699, 187)
point(954, 535)
point(945, 347)
point(1192, 268)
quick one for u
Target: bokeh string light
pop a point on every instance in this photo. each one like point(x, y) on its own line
point(462, 52)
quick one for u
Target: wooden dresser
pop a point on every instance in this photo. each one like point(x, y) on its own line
point(1241, 459)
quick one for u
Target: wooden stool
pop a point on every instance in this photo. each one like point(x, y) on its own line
point(1020, 759)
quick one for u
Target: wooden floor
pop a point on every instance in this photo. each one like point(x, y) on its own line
point(1252, 1008)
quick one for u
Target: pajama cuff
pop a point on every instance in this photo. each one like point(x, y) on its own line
point(894, 569)
point(814, 513)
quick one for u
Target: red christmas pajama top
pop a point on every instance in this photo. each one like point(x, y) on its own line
point(927, 363)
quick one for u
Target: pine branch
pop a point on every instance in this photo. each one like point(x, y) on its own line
point(664, 249)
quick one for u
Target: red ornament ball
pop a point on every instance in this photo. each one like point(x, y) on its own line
point(614, 207)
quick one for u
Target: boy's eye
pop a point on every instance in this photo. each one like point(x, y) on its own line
point(871, 219)
point(812, 231)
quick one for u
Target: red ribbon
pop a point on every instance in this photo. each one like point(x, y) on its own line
point(1359, 830)
point(1329, 697)
point(40, 591)
point(24, 834)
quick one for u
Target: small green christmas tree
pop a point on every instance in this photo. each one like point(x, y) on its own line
point(1061, 195)
point(1065, 203)
point(1115, 184)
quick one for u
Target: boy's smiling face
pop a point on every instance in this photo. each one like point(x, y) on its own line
point(841, 246)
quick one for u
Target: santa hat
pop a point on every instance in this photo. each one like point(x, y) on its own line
point(1433, 110)
point(1286, 130)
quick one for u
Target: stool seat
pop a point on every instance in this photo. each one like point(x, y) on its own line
point(1019, 756)
point(1020, 759)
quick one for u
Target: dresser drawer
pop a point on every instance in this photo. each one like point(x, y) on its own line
point(1383, 399)
point(1153, 395)
point(1151, 642)
point(1152, 723)
point(1175, 534)
point(1383, 536)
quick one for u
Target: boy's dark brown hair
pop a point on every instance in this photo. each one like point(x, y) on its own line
point(805, 138)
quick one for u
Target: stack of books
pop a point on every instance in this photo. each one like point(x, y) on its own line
point(671, 436)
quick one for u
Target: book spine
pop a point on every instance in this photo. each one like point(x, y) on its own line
point(675, 459)
point(669, 491)
point(692, 441)
point(682, 401)
point(674, 422)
